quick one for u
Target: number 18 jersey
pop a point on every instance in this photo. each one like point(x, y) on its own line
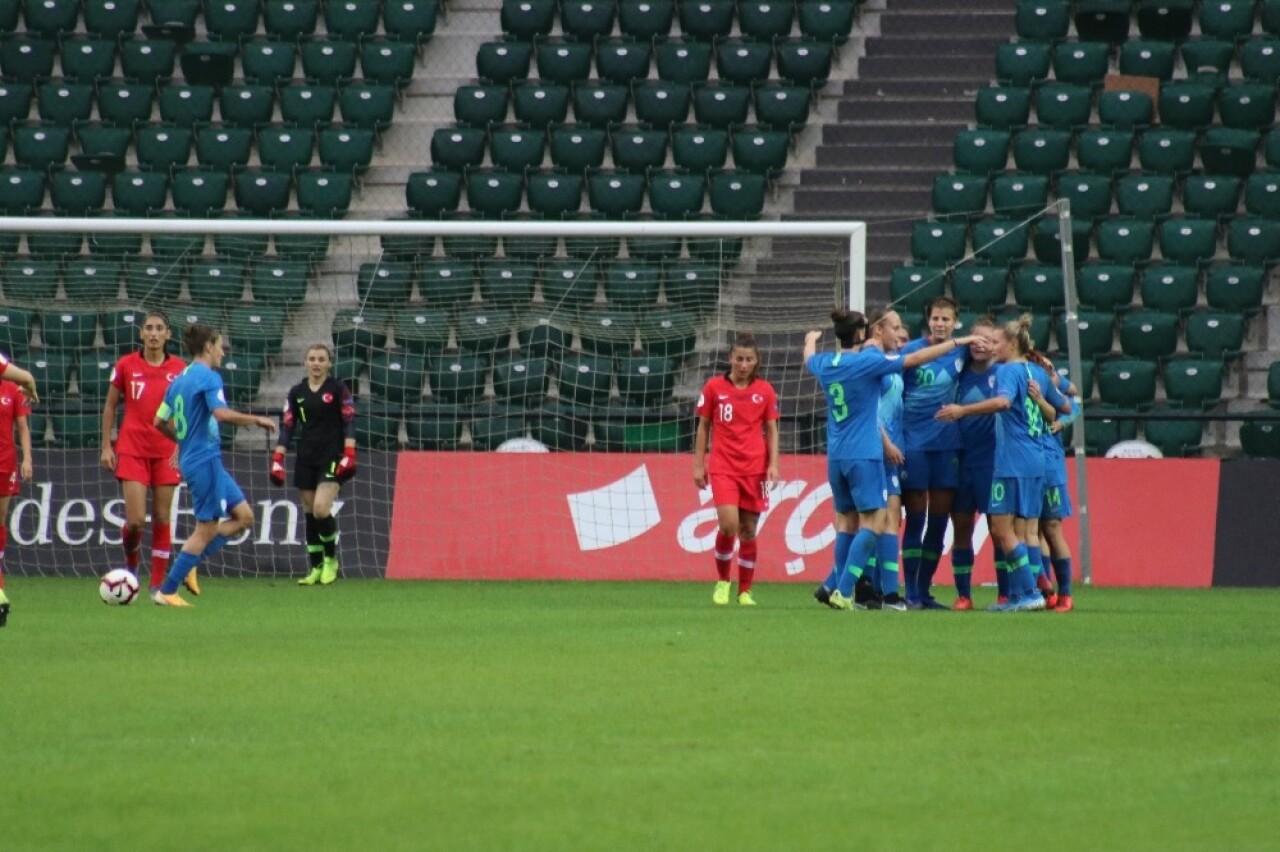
point(142, 386)
point(737, 418)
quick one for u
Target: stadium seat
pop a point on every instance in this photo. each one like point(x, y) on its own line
point(15, 102)
point(422, 331)
point(743, 62)
point(1273, 384)
point(1089, 194)
point(765, 19)
point(706, 20)
point(645, 19)
point(398, 377)
point(160, 148)
point(1215, 334)
point(645, 380)
point(199, 192)
point(224, 149)
point(587, 19)
point(390, 63)
point(832, 21)
point(91, 279)
point(126, 104)
point(763, 151)
point(268, 63)
point(1038, 288)
point(1106, 152)
point(285, 149)
point(1002, 107)
point(554, 194)
point(26, 60)
point(938, 243)
point(911, 288)
point(367, 105)
point(1022, 64)
point(51, 18)
point(494, 193)
point(661, 104)
point(1019, 194)
point(517, 149)
point(608, 330)
point(262, 193)
point(1247, 106)
point(1193, 382)
point(1042, 21)
point(279, 282)
point(94, 368)
point(385, 283)
point(980, 151)
point(430, 194)
point(1125, 241)
point(290, 20)
point(357, 332)
point(65, 104)
point(539, 104)
point(1096, 331)
point(1127, 382)
point(231, 20)
point(977, 288)
point(1082, 63)
point(623, 61)
point(41, 147)
point(736, 194)
point(667, 332)
point(324, 194)
point(1167, 20)
point(585, 379)
point(958, 195)
point(543, 330)
point(68, 331)
point(1260, 60)
point(242, 376)
point(721, 105)
point(101, 140)
point(804, 62)
point(782, 107)
point(346, 149)
point(1262, 195)
point(1148, 334)
point(87, 60)
point(600, 104)
point(1227, 19)
point(139, 194)
point(1207, 59)
point(503, 62)
point(457, 378)
point(683, 61)
point(411, 21)
point(699, 149)
point(1188, 241)
point(615, 194)
point(569, 284)
point(1167, 151)
point(1147, 58)
point(1102, 20)
point(1144, 196)
point(520, 379)
point(1104, 287)
point(310, 106)
point(1234, 287)
point(564, 62)
point(638, 150)
point(632, 284)
point(675, 195)
point(999, 242)
point(120, 328)
point(30, 279)
point(247, 106)
point(1170, 288)
point(350, 19)
point(78, 193)
point(525, 20)
point(1211, 196)
point(1121, 110)
point(1042, 150)
point(1254, 240)
point(1174, 438)
point(507, 282)
point(437, 426)
point(256, 329)
point(458, 148)
point(186, 106)
point(112, 19)
point(1186, 104)
point(1063, 105)
point(216, 281)
point(208, 63)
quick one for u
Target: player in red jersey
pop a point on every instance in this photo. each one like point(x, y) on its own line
point(14, 409)
point(143, 458)
point(739, 411)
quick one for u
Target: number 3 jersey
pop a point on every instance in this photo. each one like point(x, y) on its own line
point(142, 386)
point(737, 418)
point(851, 382)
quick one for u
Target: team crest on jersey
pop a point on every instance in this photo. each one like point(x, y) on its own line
point(6, 400)
point(171, 376)
point(991, 382)
point(328, 398)
point(959, 364)
point(757, 398)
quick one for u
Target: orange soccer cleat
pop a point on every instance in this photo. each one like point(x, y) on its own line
point(1064, 604)
point(963, 604)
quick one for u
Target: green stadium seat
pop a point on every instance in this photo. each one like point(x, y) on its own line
point(224, 149)
point(600, 104)
point(279, 282)
point(434, 427)
point(1125, 241)
point(958, 195)
point(1260, 439)
point(397, 377)
point(65, 104)
point(1188, 241)
point(638, 150)
point(78, 193)
point(1102, 20)
point(93, 373)
point(1174, 438)
point(1105, 287)
point(541, 330)
point(1167, 151)
point(692, 284)
point(26, 60)
point(675, 195)
point(623, 61)
point(245, 247)
point(560, 426)
point(1215, 334)
point(980, 151)
point(494, 193)
point(483, 327)
point(1269, 17)
point(443, 281)
point(782, 107)
point(208, 63)
point(23, 191)
point(186, 106)
point(422, 331)
point(1207, 59)
point(431, 194)
point(290, 20)
point(231, 20)
point(570, 283)
point(577, 148)
point(256, 329)
point(176, 249)
point(517, 149)
point(698, 149)
point(242, 376)
point(507, 282)
point(1063, 105)
point(1148, 334)
point(804, 61)
point(147, 60)
point(1038, 288)
point(1144, 196)
point(285, 149)
point(385, 283)
point(977, 288)
point(615, 194)
point(91, 279)
point(525, 20)
point(520, 378)
point(51, 18)
point(458, 148)
point(1083, 63)
point(832, 21)
point(268, 63)
point(160, 148)
point(87, 60)
point(41, 147)
point(1193, 382)
point(15, 102)
point(262, 193)
point(1227, 19)
point(247, 106)
point(763, 151)
point(911, 288)
point(1127, 382)
point(412, 21)
point(310, 248)
point(390, 63)
point(766, 19)
point(120, 328)
point(1212, 196)
point(1170, 289)
point(706, 20)
point(493, 425)
point(683, 61)
point(1260, 60)
point(1186, 104)
point(503, 62)
point(538, 104)
point(216, 281)
point(554, 194)
point(76, 428)
point(457, 378)
point(68, 330)
point(359, 332)
point(52, 370)
point(645, 19)
point(1104, 432)
point(324, 194)
point(938, 243)
point(1106, 152)
point(367, 105)
point(1122, 110)
point(1253, 240)
point(1247, 106)
point(1042, 21)
point(1262, 195)
point(111, 19)
point(1096, 331)
point(1234, 287)
point(309, 106)
point(1273, 384)
point(1147, 58)
point(736, 194)
point(667, 333)
point(743, 62)
point(1042, 150)
point(350, 19)
point(1022, 63)
point(1089, 194)
point(563, 62)
point(346, 149)
point(526, 247)
point(585, 379)
point(632, 284)
point(100, 140)
point(999, 242)
point(645, 380)
point(148, 280)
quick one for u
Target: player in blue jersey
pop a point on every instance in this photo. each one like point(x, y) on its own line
point(977, 459)
point(850, 380)
point(1057, 498)
point(931, 471)
point(888, 333)
point(1018, 475)
point(192, 409)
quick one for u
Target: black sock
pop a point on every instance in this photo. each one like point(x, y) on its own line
point(328, 529)
point(315, 551)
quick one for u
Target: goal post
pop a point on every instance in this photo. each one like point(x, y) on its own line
point(590, 339)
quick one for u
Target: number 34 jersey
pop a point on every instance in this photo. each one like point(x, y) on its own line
point(851, 383)
point(142, 386)
point(737, 418)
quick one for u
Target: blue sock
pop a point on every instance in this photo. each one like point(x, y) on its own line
point(1034, 560)
point(887, 559)
point(962, 567)
point(1002, 574)
point(181, 568)
point(931, 551)
point(864, 544)
point(219, 541)
point(843, 541)
point(1062, 571)
point(1021, 583)
point(912, 538)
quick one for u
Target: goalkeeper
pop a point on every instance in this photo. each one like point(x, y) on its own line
point(321, 411)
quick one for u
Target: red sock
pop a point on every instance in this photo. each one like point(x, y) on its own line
point(724, 555)
point(160, 544)
point(746, 565)
point(4, 536)
point(132, 543)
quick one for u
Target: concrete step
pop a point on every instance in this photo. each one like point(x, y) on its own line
point(973, 69)
point(937, 157)
point(934, 46)
point(892, 133)
point(958, 111)
point(856, 202)
point(947, 6)
point(865, 178)
point(895, 23)
point(879, 88)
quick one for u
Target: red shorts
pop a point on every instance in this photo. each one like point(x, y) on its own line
point(745, 492)
point(10, 483)
point(150, 472)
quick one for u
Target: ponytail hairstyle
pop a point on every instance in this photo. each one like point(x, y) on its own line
point(196, 337)
point(1035, 356)
point(1018, 332)
point(747, 340)
point(850, 327)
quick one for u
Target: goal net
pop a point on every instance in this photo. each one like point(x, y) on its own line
point(525, 389)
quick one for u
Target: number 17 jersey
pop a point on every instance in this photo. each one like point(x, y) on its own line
point(142, 386)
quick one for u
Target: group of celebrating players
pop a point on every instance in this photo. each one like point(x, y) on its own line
point(169, 434)
point(942, 427)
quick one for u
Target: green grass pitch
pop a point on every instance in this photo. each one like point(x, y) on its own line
point(395, 715)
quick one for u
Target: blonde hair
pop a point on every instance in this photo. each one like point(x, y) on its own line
point(1018, 332)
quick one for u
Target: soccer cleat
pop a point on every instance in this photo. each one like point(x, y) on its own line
point(1033, 602)
point(894, 601)
point(329, 570)
point(1064, 604)
point(720, 597)
point(745, 599)
point(171, 600)
point(313, 577)
point(155, 595)
point(963, 604)
point(873, 602)
point(1050, 600)
point(4, 608)
point(914, 604)
point(192, 584)
point(1003, 604)
point(863, 591)
point(930, 602)
point(839, 601)
point(822, 595)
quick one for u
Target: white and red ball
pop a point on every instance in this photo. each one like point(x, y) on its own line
point(118, 587)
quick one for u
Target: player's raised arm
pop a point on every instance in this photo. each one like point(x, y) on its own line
point(928, 353)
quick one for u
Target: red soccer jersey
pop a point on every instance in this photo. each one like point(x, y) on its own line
point(143, 388)
point(13, 404)
point(737, 418)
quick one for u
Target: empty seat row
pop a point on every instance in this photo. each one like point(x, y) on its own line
point(1110, 21)
point(484, 246)
point(1030, 63)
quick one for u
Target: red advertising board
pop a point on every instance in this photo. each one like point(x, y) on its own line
point(639, 517)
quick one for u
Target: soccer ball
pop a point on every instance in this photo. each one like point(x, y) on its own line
point(118, 587)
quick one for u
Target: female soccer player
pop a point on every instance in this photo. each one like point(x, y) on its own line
point(323, 409)
point(931, 471)
point(889, 335)
point(850, 379)
point(977, 457)
point(142, 458)
point(738, 411)
point(1018, 473)
point(193, 407)
point(14, 410)
point(1057, 498)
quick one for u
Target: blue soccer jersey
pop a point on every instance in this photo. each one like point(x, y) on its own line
point(1020, 449)
point(851, 382)
point(977, 434)
point(891, 407)
point(190, 403)
point(926, 389)
point(1053, 451)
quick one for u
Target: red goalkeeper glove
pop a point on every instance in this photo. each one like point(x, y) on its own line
point(346, 465)
point(277, 468)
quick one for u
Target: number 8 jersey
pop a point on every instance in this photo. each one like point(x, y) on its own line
point(851, 382)
point(142, 386)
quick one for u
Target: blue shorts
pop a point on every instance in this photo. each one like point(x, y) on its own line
point(1020, 496)
point(893, 479)
point(213, 492)
point(929, 469)
point(973, 494)
point(1057, 503)
point(857, 485)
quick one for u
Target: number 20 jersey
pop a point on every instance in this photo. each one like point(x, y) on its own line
point(142, 388)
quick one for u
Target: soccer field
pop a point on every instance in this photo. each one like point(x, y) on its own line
point(381, 715)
